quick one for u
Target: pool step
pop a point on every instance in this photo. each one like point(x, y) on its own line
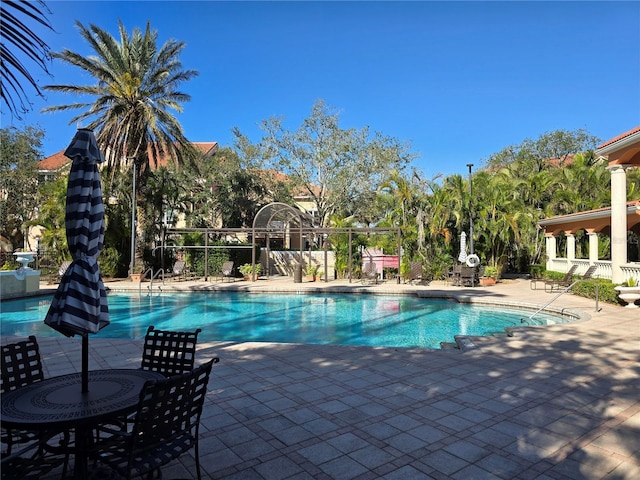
point(462, 342)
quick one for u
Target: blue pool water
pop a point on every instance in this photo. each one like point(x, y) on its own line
point(373, 320)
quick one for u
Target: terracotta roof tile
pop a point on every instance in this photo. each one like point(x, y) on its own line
point(57, 160)
point(619, 137)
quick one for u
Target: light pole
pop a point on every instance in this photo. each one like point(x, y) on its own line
point(132, 265)
point(470, 209)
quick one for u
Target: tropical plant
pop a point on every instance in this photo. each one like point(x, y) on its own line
point(19, 38)
point(248, 269)
point(136, 91)
point(19, 156)
point(490, 271)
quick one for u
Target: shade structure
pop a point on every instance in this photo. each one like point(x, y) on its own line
point(79, 306)
point(462, 258)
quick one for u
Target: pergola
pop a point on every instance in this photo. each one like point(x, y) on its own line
point(622, 154)
point(287, 224)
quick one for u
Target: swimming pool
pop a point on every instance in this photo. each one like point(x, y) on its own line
point(336, 319)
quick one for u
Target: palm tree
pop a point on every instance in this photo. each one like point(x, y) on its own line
point(18, 38)
point(136, 91)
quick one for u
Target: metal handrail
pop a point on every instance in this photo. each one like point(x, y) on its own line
point(153, 277)
point(142, 277)
point(522, 320)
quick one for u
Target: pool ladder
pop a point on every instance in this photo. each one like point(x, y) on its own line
point(152, 276)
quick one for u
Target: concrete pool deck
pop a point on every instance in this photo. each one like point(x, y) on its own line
point(555, 402)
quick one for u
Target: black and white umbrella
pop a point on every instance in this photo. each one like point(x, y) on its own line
point(79, 306)
point(462, 258)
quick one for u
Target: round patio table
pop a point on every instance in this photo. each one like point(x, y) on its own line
point(58, 402)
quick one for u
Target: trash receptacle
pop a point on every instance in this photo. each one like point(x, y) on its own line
point(297, 274)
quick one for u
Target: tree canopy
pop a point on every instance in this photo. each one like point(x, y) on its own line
point(338, 169)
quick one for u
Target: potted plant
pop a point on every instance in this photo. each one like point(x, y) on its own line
point(629, 292)
point(311, 271)
point(247, 271)
point(489, 277)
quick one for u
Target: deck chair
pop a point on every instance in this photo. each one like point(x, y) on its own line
point(23, 454)
point(416, 273)
point(555, 285)
point(227, 271)
point(178, 270)
point(589, 273)
point(166, 425)
point(369, 273)
point(63, 268)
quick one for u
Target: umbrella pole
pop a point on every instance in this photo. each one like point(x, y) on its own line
point(85, 362)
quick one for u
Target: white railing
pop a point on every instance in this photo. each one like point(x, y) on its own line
point(604, 269)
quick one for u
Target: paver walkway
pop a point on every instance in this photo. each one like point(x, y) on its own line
point(559, 402)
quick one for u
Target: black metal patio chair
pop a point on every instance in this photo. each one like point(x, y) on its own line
point(165, 426)
point(21, 366)
point(169, 352)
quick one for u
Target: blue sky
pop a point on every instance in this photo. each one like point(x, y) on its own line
point(457, 80)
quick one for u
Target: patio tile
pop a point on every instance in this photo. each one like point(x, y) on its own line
point(551, 403)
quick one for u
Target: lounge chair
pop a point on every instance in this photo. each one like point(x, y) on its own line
point(589, 273)
point(555, 285)
point(63, 268)
point(178, 270)
point(416, 273)
point(369, 273)
point(227, 271)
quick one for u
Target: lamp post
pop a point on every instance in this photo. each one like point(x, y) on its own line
point(132, 265)
point(470, 209)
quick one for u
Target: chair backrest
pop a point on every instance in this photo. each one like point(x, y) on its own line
point(369, 270)
point(415, 271)
point(63, 267)
point(169, 352)
point(569, 275)
point(168, 409)
point(590, 271)
point(227, 268)
point(178, 267)
point(467, 272)
point(21, 364)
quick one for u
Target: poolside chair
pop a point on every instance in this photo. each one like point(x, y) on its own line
point(63, 268)
point(21, 366)
point(169, 352)
point(166, 425)
point(468, 276)
point(178, 270)
point(227, 271)
point(590, 272)
point(370, 273)
point(555, 285)
point(454, 274)
point(416, 273)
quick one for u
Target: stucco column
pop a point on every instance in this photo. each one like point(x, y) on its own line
point(550, 244)
point(571, 247)
point(618, 221)
point(593, 248)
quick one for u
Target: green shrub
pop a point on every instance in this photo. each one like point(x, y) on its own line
point(109, 262)
point(537, 271)
point(606, 292)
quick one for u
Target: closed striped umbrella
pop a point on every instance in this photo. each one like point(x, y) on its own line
point(463, 248)
point(79, 306)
